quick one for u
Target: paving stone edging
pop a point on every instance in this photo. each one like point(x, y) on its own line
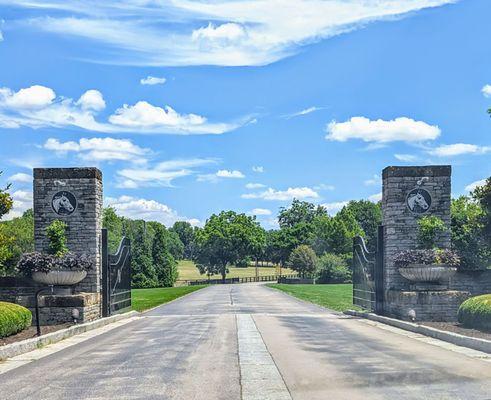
point(454, 338)
point(25, 346)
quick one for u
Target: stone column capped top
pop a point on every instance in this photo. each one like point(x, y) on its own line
point(417, 171)
point(68, 173)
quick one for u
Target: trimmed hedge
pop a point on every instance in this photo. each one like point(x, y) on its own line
point(13, 318)
point(476, 312)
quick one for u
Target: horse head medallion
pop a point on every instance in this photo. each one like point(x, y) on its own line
point(64, 203)
point(418, 200)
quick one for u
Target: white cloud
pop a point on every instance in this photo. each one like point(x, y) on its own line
point(221, 174)
point(33, 97)
point(22, 202)
point(21, 177)
point(373, 181)
point(323, 186)
point(283, 195)
point(375, 198)
point(153, 80)
point(38, 107)
point(486, 90)
point(260, 211)
point(333, 208)
point(380, 131)
point(456, 149)
point(162, 174)
point(252, 186)
point(303, 112)
point(472, 186)
point(258, 169)
point(247, 32)
point(91, 100)
point(406, 157)
point(149, 210)
point(100, 149)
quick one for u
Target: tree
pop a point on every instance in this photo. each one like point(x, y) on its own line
point(186, 234)
point(368, 215)
point(174, 245)
point(468, 233)
point(225, 238)
point(114, 225)
point(482, 194)
point(299, 212)
point(164, 263)
point(332, 268)
point(6, 201)
point(143, 271)
point(335, 234)
point(16, 238)
point(303, 260)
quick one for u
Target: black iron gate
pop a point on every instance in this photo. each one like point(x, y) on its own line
point(116, 277)
point(368, 276)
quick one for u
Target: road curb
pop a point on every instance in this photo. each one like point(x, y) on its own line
point(450, 337)
point(25, 346)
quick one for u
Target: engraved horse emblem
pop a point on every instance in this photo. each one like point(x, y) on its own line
point(419, 201)
point(64, 203)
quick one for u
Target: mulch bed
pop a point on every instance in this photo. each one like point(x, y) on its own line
point(455, 327)
point(30, 333)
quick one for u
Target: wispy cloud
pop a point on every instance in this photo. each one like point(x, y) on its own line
point(303, 112)
point(221, 174)
point(406, 157)
point(259, 169)
point(260, 211)
point(283, 195)
point(21, 177)
point(153, 80)
point(229, 33)
point(457, 149)
point(253, 186)
point(486, 90)
point(472, 186)
point(373, 181)
point(38, 107)
point(334, 207)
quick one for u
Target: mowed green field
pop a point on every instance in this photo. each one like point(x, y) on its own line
point(188, 272)
point(338, 297)
point(143, 299)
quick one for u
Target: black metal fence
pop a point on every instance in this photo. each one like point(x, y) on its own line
point(248, 279)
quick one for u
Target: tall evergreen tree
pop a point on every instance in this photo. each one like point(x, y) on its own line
point(163, 261)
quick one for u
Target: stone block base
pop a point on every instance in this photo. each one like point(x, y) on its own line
point(428, 305)
point(58, 309)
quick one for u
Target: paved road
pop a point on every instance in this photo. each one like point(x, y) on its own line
point(253, 343)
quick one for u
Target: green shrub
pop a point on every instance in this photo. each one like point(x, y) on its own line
point(430, 228)
point(332, 268)
point(13, 319)
point(56, 232)
point(476, 312)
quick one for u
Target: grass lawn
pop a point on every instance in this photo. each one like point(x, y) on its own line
point(337, 297)
point(143, 299)
point(188, 271)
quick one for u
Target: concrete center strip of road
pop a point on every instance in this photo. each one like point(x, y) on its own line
point(259, 376)
point(34, 355)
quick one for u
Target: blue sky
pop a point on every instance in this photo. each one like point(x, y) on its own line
point(192, 107)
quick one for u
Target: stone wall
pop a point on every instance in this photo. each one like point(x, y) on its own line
point(84, 221)
point(400, 222)
point(474, 282)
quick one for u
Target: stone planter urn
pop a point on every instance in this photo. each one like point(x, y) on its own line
point(59, 277)
point(427, 273)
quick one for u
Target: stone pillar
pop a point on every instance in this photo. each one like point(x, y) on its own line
point(73, 195)
point(408, 193)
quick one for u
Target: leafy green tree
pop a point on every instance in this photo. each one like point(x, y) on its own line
point(482, 194)
point(164, 263)
point(174, 245)
point(303, 260)
point(332, 268)
point(368, 215)
point(468, 233)
point(335, 234)
point(114, 225)
point(16, 238)
point(187, 236)
point(6, 201)
point(225, 238)
point(56, 233)
point(143, 270)
point(299, 212)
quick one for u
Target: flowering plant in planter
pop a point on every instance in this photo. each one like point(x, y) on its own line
point(428, 263)
point(58, 266)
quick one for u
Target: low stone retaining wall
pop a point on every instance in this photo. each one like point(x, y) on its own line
point(297, 281)
point(54, 309)
point(475, 282)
